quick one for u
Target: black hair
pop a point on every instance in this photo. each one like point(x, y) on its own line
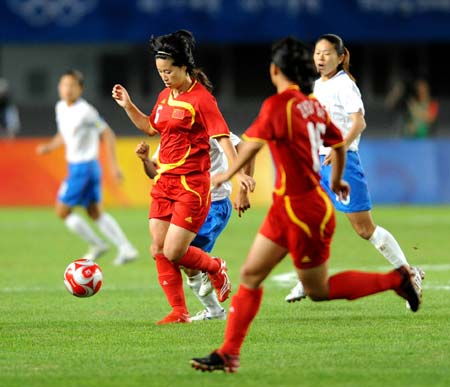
point(294, 59)
point(179, 46)
point(340, 48)
point(76, 74)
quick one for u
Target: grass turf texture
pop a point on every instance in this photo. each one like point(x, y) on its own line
point(50, 338)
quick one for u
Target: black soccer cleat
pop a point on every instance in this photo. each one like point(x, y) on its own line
point(410, 288)
point(216, 361)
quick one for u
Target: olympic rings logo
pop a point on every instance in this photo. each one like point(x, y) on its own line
point(40, 13)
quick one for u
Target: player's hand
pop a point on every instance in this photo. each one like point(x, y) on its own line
point(246, 182)
point(242, 202)
point(42, 149)
point(142, 150)
point(341, 188)
point(328, 158)
point(121, 96)
point(117, 173)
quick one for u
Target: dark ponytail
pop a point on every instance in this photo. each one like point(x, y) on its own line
point(338, 44)
point(294, 59)
point(179, 46)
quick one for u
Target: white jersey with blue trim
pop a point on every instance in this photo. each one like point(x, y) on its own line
point(80, 126)
point(219, 164)
point(340, 97)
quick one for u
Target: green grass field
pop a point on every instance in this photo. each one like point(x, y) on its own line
point(50, 338)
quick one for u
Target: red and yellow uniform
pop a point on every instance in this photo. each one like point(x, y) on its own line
point(185, 123)
point(302, 216)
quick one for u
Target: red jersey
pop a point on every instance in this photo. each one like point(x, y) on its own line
point(186, 124)
point(294, 126)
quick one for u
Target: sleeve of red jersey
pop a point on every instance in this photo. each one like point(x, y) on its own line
point(151, 118)
point(213, 119)
point(333, 136)
point(261, 129)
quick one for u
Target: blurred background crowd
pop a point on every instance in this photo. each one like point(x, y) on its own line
point(396, 51)
point(396, 54)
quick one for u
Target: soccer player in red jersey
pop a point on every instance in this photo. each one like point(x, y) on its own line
point(186, 116)
point(301, 219)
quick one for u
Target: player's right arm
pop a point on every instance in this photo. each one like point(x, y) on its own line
point(51, 145)
point(139, 119)
point(142, 151)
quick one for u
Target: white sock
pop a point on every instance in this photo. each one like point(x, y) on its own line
point(79, 226)
point(386, 244)
point(111, 229)
point(209, 301)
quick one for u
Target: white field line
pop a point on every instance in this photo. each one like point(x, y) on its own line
point(284, 280)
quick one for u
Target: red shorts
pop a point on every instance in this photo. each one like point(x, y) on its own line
point(183, 200)
point(304, 224)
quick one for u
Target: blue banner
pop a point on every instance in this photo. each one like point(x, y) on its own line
point(407, 171)
point(228, 21)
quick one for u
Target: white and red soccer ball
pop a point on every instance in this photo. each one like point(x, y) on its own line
point(83, 278)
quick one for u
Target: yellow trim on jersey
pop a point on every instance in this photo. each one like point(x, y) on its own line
point(220, 135)
point(289, 117)
point(167, 167)
point(282, 189)
point(293, 217)
point(192, 86)
point(186, 186)
point(338, 145)
point(328, 212)
point(254, 139)
point(182, 104)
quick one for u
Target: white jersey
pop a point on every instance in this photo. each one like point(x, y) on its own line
point(340, 97)
point(219, 164)
point(80, 126)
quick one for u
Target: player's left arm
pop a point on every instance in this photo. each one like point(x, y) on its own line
point(245, 181)
point(248, 150)
point(109, 138)
point(242, 202)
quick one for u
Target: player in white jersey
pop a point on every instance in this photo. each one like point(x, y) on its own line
point(216, 221)
point(337, 91)
point(80, 129)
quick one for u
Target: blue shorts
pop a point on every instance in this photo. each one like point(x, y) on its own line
point(82, 186)
point(217, 219)
point(359, 198)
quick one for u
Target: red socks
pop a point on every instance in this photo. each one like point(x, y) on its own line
point(244, 307)
point(351, 285)
point(196, 258)
point(170, 279)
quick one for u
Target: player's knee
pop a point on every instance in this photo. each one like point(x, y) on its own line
point(155, 249)
point(316, 293)
point(250, 278)
point(174, 253)
point(365, 232)
point(62, 212)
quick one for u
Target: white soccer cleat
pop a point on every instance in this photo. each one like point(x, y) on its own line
point(95, 251)
point(206, 315)
point(296, 294)
point(419, 276)
point(206, 286)
point(127, 253)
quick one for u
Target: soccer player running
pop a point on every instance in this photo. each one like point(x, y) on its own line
point(216, 221)
point(336, 90)
point(185, 115)
point(301, 218)
point(80, 129)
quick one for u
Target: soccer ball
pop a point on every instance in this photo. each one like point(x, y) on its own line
point(83, 278)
